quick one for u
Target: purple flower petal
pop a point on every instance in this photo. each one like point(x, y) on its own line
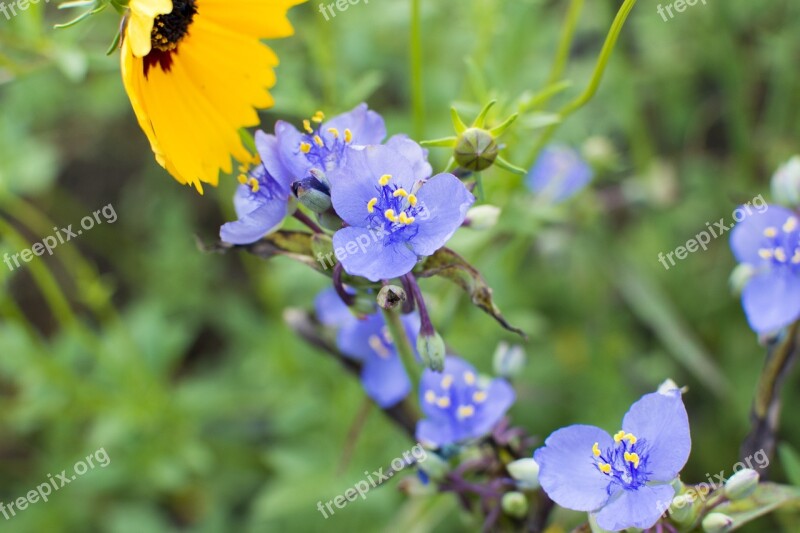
point(434, 434)
point(254, 225)
point(362, 255)
point(559, 174)
point(747, 238)
point(771, 300)
point(500, 397)
point(660, 420)
point(445, 202)
point(416, 155)
point(268, 150)
point(331, 310)
point(640, 508)
point(366, 126)
point(567, 470)
point(291, 158)
point(385, 380)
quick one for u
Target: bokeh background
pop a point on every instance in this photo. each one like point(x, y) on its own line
point(217, 418)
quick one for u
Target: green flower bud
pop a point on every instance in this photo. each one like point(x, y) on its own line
point(508, 360)
point(313, 194)
point(717, 523)
point(683, 510)
point(390, 296)
point(740, 276)
point(434, 466)
point(432, 350)
point(525, 472)
point(786, 183)
point(600, 153)
point(515, 504)
point(483, 217)
point(476, 149)
point(329, 220)
point(741, 484)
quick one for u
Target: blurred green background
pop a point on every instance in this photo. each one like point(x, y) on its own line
point(178, 364)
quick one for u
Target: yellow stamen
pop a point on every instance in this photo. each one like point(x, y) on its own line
point(796, 257)
point(632, 458)
point(791, 225)
point(378, 347)
point(348, 136)
point(256, 159)
point(780, 254)
point(619, 435)
point(465, 411)
point(605, 468)
point(430, 396)
point(405, 219)
point(371, 205)
point(443, 402)
point(770, 232)
point(244, 168)
point(765, 253)
point(469, 378)
point(447, 381)
point(254, 186)
point(389, 214)
point(412, 200)
point(384, 180)
point(305, 147)
point(479, 396)
point(242, 179)
point(318, 140)
point(318, 117)
point(400, 192)
point(307, 126)
point(334, 132)
point(596, 449)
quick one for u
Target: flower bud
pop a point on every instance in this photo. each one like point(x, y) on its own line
point(312, 193)
point(717, 523)
point(476, 149)
point(741, 484)
point(432, 350)
point(683, 510)
point(600, 152)
point(525, 472)
point(434, 466)
point(390, 296)
point(740, 276)
point(508, 360)
point(515, 504)
point(786, 183)
point(483, 217)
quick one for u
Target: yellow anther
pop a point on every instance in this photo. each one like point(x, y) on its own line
point(596, 449)
point(244, 168)
point(796, 257)
point(318, 140)
point(605, 468)
point(447, 381)
point(318, 117)
point(770, 232)
point(256, 159)
point(334, 132)
point(780, 254)
point(371, 205)
point(254, 186)
point(469, 378)
point(479, 396)
point(618, 436)
point(348, 135)
point(412, 200)
point(443, 402)
point(430, 396)
point(765, 253)
point(465, 411)
point(378, 347)
point(384, 180)
point(389, 214)
point(305, 147)
point(400, 192)
point(790, 225)
point(307, 126)
point(632, 458)
point(405, 219)
point(242, 179)
point(621, 435)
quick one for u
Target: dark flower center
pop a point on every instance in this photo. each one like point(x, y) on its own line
point(169, 29)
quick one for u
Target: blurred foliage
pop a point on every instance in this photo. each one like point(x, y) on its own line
point(177, 362)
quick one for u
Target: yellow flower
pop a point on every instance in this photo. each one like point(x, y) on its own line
point(195, 72)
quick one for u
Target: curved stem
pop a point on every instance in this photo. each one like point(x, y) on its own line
point(302, 217)
point(426, 326)
point(402, 343)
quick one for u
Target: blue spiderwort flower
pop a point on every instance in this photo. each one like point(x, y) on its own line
point(559, 174)
point(769, 242)
point(393, 216)
point(458, 405)
point(623, 480)
point(367, 340)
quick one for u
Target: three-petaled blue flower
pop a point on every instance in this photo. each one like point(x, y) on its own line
point(625, 480)
point(459, 405)
point(559, 174)
point(393, 214)
point(367, 340)
point(769, 242)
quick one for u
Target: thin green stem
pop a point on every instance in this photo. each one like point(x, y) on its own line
point(417, 90)
point(565, 42)
point(594, 83)
point(402, 343)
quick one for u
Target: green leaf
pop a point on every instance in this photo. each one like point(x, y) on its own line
point(791, 463)
point(767, 498)
point(447, 264)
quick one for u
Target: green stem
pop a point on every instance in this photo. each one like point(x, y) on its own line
point(417, 90)
point(402, 343)
point(565, 43)
point(594, 83)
